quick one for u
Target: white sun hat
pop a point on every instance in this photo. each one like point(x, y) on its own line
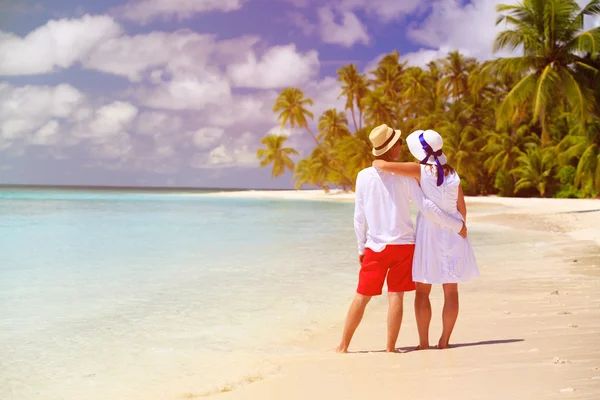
point(426, 146)
point(383, 138)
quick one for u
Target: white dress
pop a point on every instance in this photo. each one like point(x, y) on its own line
point(441, 255)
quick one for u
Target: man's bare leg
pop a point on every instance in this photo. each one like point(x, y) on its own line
point(423, 314)
point(450, 313)
point(395, 311)
point(355, 314)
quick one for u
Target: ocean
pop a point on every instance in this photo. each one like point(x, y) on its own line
point(116, 295)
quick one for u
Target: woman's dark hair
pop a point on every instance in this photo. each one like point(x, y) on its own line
point(448, 170)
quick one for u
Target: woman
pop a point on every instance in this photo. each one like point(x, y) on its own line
point(441, 255)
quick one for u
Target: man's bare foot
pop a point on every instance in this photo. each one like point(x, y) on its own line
point(341, 349)
point(423, 347)
point(392, 351)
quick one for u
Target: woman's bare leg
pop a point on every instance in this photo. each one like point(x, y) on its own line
point(423, 314)
point(450, 313)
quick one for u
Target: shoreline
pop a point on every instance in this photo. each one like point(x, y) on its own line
point(551, 229)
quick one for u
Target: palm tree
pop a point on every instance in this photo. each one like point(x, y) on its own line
point(274, 153)
point(355, 151)
point(316, 170)
point(306, 174)
point(333, 126)
point(584, 148)
point(388, 75)
point(417, 92)
point(461, 142)
point(457, 69)
point(354, 88)
point(535, 169)
point(503, 150)
point(550, 32)
point(291, 106)
point(379, 109)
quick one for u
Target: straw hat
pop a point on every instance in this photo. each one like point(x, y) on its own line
point(383, 139)
point(418, 142)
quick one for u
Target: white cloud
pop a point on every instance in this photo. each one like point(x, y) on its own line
point(589, 23)
point(26, 109)
point(280, 66)
point(224, 157)
point(155, 123)
point(385, 10)
point(112, 119)
point(299, 20)
point(279, 131)
point(326, 95)
point(14, 128)
point(251, 109)
point(57, 44)
point(116, 146)
point(186, 92)
point(471, 28)
point(424, 56)
point(347, 34)
point(205, 137)
point(145, 11)
point(237, 152)
point(32, 101)
point(220, 156)
point(47, 134)
point(131, 56)
point(158, 56)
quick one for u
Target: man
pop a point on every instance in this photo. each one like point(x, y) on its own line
point(385, 235)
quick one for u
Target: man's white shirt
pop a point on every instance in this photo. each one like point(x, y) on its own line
point(382, 210)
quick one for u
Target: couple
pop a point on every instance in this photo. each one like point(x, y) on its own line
point(441, 253)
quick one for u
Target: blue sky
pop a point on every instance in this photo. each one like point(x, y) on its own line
point(179, 92)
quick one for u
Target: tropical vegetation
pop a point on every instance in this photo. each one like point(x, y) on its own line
point(525, 125)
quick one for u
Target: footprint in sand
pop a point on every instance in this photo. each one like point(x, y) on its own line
point(567, 390)
point(565, 313)
point(557, 360)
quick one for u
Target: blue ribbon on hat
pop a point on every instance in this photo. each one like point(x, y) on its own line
point(435, 154)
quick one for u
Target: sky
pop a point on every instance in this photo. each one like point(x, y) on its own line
point(180, 92)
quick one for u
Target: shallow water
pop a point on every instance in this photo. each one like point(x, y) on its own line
point(154, 295)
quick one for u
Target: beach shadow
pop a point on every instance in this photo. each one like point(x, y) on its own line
point(404, 350)
point(486, 343)
point(580, 212)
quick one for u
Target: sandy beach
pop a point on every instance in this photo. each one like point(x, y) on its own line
point(528, 327)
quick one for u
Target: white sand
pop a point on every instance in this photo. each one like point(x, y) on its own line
point(529, 327)
point(283, 194)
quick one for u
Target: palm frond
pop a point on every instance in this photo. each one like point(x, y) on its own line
point(520, 93)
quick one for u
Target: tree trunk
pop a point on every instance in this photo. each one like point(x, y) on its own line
point(360, 118)
point(341, 170)
point(545, 135)
point(354, 118)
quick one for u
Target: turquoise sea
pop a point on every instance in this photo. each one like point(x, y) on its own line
point(108, 295)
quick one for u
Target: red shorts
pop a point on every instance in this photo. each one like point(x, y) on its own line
point(395, 261)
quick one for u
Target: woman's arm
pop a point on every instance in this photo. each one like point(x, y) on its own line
point(460, 203)
point(410, 169)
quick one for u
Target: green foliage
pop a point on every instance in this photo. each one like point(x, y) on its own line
point(526, 125)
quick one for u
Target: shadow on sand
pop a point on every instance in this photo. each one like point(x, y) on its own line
point(580, 212)
point(452, 346)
